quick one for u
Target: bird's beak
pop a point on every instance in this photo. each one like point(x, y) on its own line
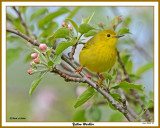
point(118, 36)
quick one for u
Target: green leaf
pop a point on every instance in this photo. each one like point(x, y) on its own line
point(116, 97)
point(57, 59)
point(95, 113)
point(111, 106)
point(90, 33)
point(84, 28)
point(85, 96)
point(23, 9)
point(144, 68)
point(50, 63)
point(73, 23)
point(87, 20)
point(12, 55)
point(36, 82)
point(38, 13)
point(134, 77)
point(79, 115)
point(51, 16)
point(62, 46)
point(107, 76)
point(114, 72)
point(124, 31)
point(129, 86)
point(73, 12)
point(129, 66)
point(61, 33)
point(149, 104)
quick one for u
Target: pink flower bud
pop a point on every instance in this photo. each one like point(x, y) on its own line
point(36, 60)
point(114, 26)
point(100, 76)
point(29, 71)
point(34, 55)
point(88, 76)
point(119, 18)
point(31, 63)
point(64, 24)
point(70, 26)
point(43, 47)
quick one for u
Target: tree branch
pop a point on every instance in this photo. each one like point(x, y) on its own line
point(66, 67)
point(132, 112)
point(32, 41)
point(82, 79)
point(66, 73)
point(67, 77)
point(22, 21)
point(70, 54)
point(133, 91)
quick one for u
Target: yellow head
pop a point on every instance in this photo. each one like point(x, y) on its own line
point(108, 36)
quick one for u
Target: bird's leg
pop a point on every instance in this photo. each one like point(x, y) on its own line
point(100, 79)
point(79, 69)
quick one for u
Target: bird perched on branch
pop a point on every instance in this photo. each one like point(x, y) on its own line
point(99, 53)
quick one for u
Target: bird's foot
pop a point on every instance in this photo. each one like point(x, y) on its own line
point(79, 69)
point(100, 79)
point(99, 82)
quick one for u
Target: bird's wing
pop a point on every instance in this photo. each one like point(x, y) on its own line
point(89, 43)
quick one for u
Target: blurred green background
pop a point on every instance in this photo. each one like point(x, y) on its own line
point(53, 99)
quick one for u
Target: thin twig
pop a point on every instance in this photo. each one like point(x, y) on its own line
point(22, 21)
point(70, 54)
point(68, 77)
point(66, 67)
point(133, 91)
point(66, 73)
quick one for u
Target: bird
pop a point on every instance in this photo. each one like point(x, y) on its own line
point(99, 53)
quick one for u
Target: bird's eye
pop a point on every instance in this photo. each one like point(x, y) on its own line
point(108, 35)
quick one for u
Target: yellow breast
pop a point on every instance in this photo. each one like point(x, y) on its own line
point(98, 57)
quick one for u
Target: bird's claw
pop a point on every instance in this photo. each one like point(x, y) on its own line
point(99, 82)
point(79, 69)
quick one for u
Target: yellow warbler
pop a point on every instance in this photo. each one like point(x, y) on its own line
point(99, 53)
